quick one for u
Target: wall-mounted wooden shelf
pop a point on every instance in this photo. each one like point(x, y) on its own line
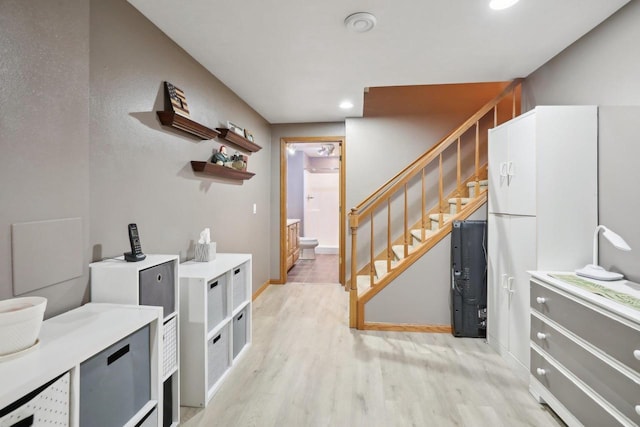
point(221, 171)
point(170, 118)
point(238, 140)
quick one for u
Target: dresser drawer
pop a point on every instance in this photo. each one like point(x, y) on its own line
point(587, 410)
point(611, 384)
point(613, 337)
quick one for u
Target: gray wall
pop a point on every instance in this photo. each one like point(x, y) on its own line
point(277, 132)
point(602, 68)
point(140, 170)
point(80, 138)
point(374, 155)
point(44, 128)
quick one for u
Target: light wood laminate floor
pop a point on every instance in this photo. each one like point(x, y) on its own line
point(307, 368)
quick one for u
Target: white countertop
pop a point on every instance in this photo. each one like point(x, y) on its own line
point(622, 286)
point(212, 269)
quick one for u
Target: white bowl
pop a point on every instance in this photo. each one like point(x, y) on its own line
point(20, 323)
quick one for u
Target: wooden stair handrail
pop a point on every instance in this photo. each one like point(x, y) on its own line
point(405, 174)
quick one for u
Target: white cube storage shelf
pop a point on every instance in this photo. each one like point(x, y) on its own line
point(154, 282)
point(215, 300)
point(83, 369)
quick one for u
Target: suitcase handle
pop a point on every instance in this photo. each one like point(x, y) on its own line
point(213, 285)
point(236, 271)
point(118, 354)
point(216, 339)
point(24, 423)
point(240, 317)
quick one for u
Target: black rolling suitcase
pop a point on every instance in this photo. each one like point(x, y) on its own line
point(469, 279)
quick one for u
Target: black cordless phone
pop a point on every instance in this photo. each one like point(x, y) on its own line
point(136, 250)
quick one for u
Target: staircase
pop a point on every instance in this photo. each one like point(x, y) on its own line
point(414, 210)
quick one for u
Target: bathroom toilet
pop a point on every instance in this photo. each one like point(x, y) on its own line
point(307, 247)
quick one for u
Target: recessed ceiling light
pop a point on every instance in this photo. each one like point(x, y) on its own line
point(345, 105)
point(501, 4)
point(360, 22)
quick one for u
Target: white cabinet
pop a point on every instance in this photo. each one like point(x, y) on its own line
point(542, 212)
point(96, 365)
point(512, 168)
point(152, 281)
point(215, 300)
point(585, 351)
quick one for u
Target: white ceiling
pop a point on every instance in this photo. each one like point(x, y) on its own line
point(295, 61)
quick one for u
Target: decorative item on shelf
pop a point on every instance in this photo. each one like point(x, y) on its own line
point(178, 100)
point(235, 128)
point(210, 168)
point(220, 158)
point(248, 135)
point(205, 248)
point(239, 161)
point(238, 139)
point(176, 114)
point(594, 271)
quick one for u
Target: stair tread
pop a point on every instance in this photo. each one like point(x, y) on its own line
point(381, 267)
point(482, 182)
point(417, 233)
point(363, 283)
point(463, 200)
point(398, 250)
point(436, 217)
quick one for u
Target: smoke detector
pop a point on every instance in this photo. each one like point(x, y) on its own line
point(360, 22)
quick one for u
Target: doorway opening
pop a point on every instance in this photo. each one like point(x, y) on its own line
point(312, 191)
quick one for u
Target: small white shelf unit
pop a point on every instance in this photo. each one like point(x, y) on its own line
point(56, 382)
point(215, 297)
point(154, 282)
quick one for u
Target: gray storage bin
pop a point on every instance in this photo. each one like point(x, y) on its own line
point(240, 331)
point(216, 301)
point(119, 375)
point(157, 287)
point(239, 280)
point(217, 356)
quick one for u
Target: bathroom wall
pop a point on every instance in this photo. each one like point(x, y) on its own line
point(322, 211)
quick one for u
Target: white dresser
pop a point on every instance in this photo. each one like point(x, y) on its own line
point(585, 352)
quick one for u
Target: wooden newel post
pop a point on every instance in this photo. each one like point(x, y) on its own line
point(353, 293)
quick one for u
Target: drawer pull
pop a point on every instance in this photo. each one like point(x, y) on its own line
point(216, 339)
point(541, 372)
point(118, 354)
point(213, 285)
point(638, 409)
point(636, 354)
point(541, 336)
point(240, 317)
point(237, 271)
point(541, 300)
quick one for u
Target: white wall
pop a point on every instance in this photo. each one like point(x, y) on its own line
point(602, 69)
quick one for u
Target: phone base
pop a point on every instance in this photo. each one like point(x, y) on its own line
point(130, 257)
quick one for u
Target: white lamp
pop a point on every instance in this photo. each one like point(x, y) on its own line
point(594, 271)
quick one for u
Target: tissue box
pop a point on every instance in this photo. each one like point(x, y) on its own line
point(205, 252)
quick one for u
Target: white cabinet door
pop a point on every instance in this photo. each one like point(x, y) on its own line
point(497, 172)
point(497, 296)
point(521, 166)
point(522, 257)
